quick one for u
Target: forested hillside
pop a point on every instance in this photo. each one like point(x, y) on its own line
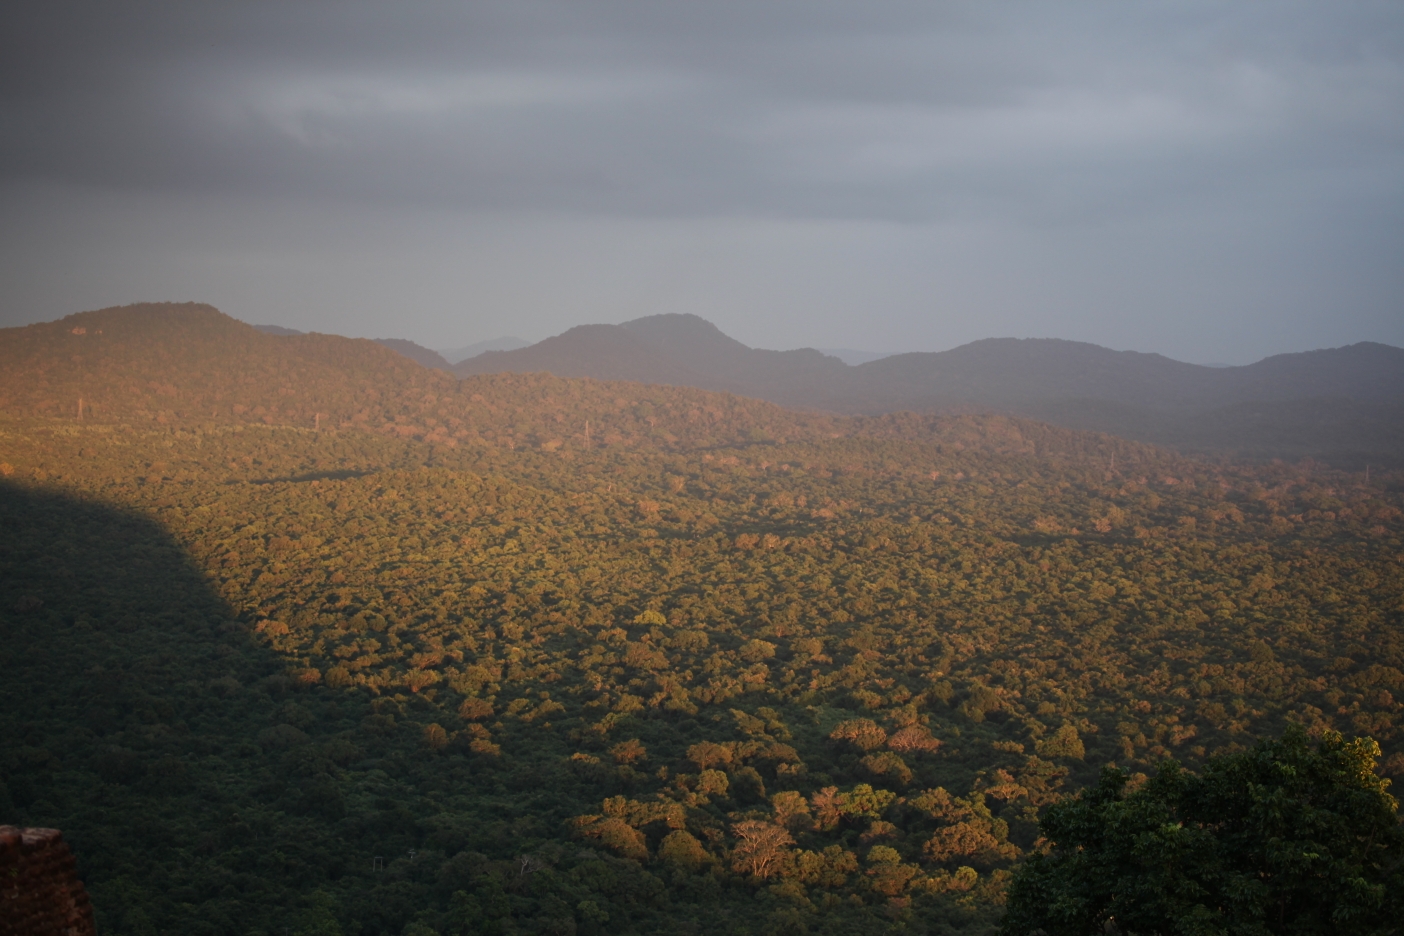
point(301, 637)
point(192, 365)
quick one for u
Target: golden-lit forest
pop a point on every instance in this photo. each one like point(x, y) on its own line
point(301, 637)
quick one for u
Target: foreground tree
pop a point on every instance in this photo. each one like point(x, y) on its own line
point(1285, 838)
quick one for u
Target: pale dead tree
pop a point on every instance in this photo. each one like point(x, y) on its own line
point(762, 848)
point(528, 864)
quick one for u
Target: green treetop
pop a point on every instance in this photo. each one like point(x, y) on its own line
point(1285, 838)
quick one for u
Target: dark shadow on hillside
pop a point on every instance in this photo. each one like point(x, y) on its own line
point(125, 674)
point(344, 474)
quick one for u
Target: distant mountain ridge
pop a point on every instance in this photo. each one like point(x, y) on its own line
point(188, 366)
point(854, 357)
point(682, 350)
point(174, 363)
point(505, 343)
point(414, 352)
point(687, 350)
point(1344, 404)
point(417, 353)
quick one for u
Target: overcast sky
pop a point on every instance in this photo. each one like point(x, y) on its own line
point(1212, 181)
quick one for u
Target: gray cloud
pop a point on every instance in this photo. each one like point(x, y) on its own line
point(1062, 127)
point(797, 110)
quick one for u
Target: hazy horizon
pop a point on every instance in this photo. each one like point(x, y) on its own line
point(850, 356)
point(1213, 184)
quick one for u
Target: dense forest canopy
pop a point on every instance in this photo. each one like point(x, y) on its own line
point(301, 636)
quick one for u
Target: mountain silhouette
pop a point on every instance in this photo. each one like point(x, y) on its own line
point(178, 363)
point(688, 350)
point(683, 350)
point(602, 352)
point(190, 365)
point(505, 343)
point(1342, 404)
point(417, 353)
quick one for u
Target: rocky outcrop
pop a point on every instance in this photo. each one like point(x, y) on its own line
point(40, 894)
